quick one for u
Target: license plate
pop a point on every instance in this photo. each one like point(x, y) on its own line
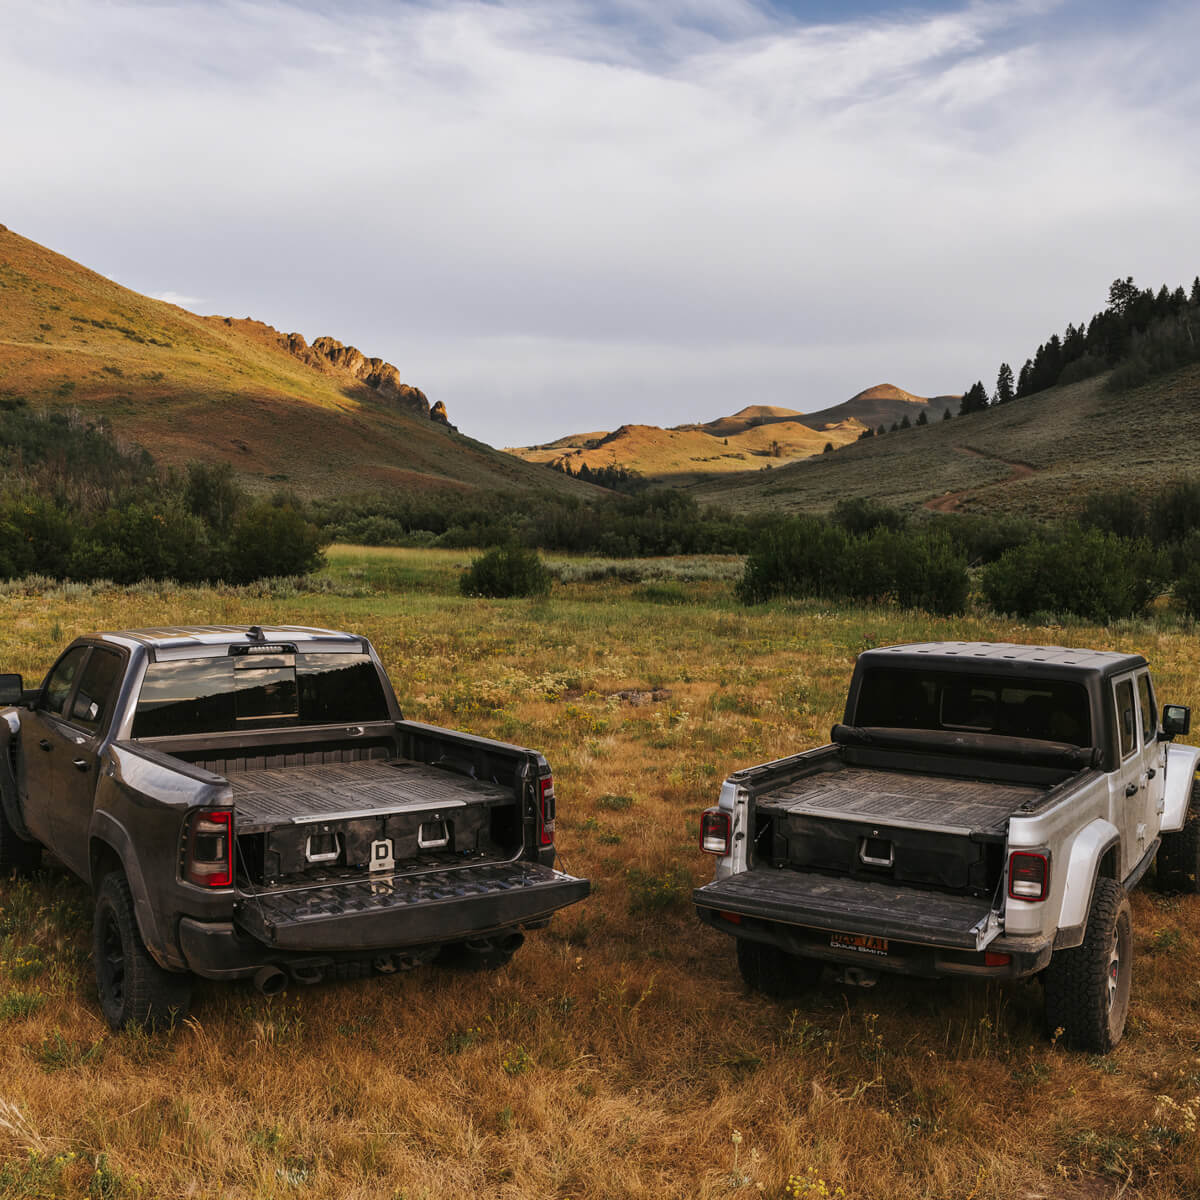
point(859, 943)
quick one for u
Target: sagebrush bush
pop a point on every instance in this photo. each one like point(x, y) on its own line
point(1084, 572)
point(506, 571)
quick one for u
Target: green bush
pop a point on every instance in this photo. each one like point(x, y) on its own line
point(506, 571)
point(808, 557)
point(1086, 572)
point(142, 541)
point(273, 539)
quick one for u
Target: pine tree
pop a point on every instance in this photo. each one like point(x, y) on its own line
point(905, 423)
point(946, 414)
point(1196, 290)
point(975, 399)
point(828, 448)
point(922, 417)
point(1122, 294)
point(881, 430)
point(1025, 379)
point(1004, 384)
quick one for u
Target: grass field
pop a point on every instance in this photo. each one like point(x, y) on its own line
point(618, 1055)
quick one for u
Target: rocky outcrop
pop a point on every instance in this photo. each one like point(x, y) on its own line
point(381, 377)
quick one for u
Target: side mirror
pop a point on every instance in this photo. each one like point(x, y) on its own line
point(11, 689)
point(1176, 721)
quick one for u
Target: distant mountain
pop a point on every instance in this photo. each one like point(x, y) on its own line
point(319, 418)
point(754, 437)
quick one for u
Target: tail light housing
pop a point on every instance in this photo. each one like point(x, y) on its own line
point(716, 831)
point(208, 848)
point(1028, 875)
point(546, 810)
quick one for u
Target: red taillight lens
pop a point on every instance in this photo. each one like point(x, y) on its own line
point(993, 959)
point(208, 857)
point(546, 837)
point(714, 831)
point(1028, 875)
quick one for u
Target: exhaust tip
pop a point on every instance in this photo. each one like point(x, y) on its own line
point(270, 981)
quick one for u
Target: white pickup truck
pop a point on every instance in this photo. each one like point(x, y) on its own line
point(983, 810)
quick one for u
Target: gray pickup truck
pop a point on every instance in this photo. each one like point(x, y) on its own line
point(983, 810)
point(250, 803)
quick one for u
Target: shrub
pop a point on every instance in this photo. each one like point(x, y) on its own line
point(859, 515)
point(1086, 572)
point(1119, 512)
point(510, 570)
point(270, 539)
point(808, 557)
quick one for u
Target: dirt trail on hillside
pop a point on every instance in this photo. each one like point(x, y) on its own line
point(952, 501)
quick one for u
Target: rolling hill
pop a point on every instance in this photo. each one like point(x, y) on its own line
point(1037, 456)
point(319, 418)
point(748, 440)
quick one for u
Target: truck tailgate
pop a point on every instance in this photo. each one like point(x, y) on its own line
point(854, 906)
point(382, 913)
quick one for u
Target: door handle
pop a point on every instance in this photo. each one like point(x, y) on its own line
point(1131, 789)
point(80, 764)
point(45, 745)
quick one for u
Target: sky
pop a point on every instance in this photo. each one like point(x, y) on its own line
point(566, 215)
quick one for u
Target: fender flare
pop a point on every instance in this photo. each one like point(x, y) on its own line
point(108, 832)
point(1182, 762)
point(10, 796)
point(1083, 864)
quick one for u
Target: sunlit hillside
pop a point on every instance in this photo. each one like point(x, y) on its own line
point(191, 387)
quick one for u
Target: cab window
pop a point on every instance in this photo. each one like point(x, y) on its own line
point(1126, 717)
point(97, 691)
point(61, 679)
point(1148, 707)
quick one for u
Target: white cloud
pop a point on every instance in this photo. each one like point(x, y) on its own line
point(176, 298)
point(559, 215)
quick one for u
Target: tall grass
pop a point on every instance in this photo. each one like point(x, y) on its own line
point(618, 1052)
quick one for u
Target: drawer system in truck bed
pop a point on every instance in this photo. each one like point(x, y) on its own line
point(341, 791)
point(901, 799)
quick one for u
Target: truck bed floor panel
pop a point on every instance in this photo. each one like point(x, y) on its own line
point(335, 791)
point(852, 906)
point(898, 798)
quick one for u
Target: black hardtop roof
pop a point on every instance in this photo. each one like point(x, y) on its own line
point(1004, 657)
point(177, 636)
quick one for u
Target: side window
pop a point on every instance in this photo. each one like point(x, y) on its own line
point(58, 683)
point(1149, 708)
point(1126, 718)
point(97, 690)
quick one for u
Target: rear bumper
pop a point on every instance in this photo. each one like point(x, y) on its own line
point(376, 917)
point(901, 930)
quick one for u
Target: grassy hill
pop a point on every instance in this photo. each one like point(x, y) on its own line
point(212, 388)
point(760, 434)
point(1037, 456)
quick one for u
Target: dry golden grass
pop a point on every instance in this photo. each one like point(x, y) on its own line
point(619, 1052)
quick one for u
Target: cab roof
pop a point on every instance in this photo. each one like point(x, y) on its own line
point(181, 641)
point(1004, 657)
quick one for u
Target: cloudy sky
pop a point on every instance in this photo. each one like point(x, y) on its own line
point(558, 215)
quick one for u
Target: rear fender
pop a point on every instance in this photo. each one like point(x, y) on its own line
point(1083, 867)
point(1182, 762)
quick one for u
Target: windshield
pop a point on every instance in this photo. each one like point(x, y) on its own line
point(1047, 710)
point(225, 695)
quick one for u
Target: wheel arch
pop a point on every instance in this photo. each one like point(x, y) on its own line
point(110, 848)
point(1095, 854)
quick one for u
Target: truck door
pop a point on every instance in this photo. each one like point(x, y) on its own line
point(1129, 782)
point(43, 744)
point(1153, 754)
point(85, 724)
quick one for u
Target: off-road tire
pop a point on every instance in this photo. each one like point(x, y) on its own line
point(1087, 987)
point(134, 989)
point(1177, 866)
point(16, 854)
point(774, 972)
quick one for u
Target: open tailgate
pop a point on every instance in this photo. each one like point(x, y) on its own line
point(383, 913)
point(854, 906)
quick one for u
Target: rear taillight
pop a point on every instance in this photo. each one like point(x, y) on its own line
point(715, 831)
point(1028, 875)
point(208, 851)
point(546, 787)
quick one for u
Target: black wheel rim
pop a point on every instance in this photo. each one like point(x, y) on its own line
point(111, 964)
